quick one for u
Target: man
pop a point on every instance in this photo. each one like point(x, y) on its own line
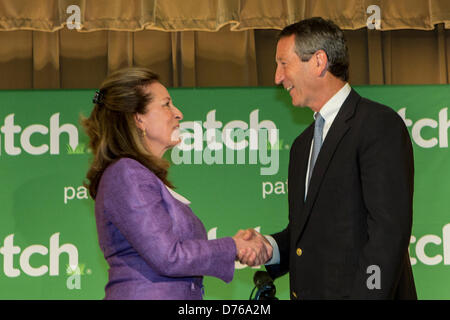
point(351, 176)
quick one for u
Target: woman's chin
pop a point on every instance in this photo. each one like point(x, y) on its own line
point(174, 143)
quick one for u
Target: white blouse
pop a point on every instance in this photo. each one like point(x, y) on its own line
point(178, 197)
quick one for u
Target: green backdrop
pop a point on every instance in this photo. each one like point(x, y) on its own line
point(48, 240)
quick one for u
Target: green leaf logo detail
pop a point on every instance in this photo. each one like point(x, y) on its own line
point(80, 149)
point(79, 269)
point(276, 146)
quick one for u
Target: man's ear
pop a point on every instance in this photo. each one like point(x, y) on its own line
point(321, 60)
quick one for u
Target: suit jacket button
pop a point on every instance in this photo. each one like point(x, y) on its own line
point(299, 252)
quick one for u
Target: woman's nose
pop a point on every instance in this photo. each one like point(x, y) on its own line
point(178, 114)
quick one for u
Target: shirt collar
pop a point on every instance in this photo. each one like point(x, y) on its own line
point(331, 108)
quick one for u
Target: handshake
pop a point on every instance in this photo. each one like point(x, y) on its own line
point(252, 248)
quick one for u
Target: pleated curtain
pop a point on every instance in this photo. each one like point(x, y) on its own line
point(204, 43)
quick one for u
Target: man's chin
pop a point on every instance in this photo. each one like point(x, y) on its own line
point(295, 101)
point(297, 104)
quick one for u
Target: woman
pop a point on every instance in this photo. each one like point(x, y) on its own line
point(154, 244)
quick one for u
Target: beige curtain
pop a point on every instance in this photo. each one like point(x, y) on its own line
point(212, 15)
point(37, 50)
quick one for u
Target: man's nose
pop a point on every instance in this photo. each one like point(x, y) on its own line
point(279, 75)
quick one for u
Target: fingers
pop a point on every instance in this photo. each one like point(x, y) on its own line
point(254, 252)
point(248, 256)
point(243, 247)
point(246, 234)
point(253, 249)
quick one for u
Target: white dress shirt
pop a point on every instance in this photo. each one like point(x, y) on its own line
point(328, 112)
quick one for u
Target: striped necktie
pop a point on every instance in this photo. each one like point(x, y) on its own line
point(317, 144)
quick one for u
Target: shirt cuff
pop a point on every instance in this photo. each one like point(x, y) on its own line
point(275, 252)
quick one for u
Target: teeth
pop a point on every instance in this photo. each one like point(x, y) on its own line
point(289, 88)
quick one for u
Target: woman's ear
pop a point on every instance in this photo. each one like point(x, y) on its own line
point(138, 120)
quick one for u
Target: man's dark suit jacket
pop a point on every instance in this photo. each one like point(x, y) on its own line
point(358, 210)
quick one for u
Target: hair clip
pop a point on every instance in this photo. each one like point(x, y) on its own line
point(98, 98)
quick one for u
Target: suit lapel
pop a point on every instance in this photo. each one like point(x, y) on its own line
point(297, 178)
point(300, 166)
point(337, 131)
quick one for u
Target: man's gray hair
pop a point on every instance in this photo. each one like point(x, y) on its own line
point(315, 34)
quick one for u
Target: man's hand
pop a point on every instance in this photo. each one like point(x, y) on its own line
point(253, 249)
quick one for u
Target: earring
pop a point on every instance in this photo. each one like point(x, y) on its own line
point(142, 132)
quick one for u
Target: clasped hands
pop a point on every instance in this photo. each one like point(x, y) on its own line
point(252, 248)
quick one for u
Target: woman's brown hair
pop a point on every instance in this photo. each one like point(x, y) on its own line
point(111, 127)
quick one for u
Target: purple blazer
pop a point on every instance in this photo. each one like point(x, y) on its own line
point(154, 244)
